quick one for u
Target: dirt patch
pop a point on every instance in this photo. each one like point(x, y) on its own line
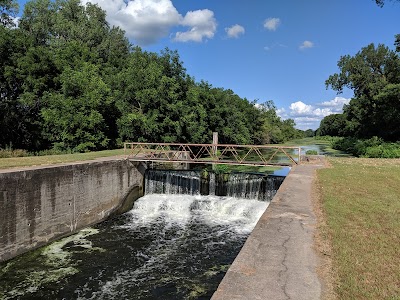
point(322, 244)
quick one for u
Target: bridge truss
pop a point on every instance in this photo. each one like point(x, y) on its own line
point(253, 155)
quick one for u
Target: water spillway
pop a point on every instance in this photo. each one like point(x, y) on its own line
point(236, 185)
point(174, 244)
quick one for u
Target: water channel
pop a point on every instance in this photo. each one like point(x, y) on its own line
point(175, 245)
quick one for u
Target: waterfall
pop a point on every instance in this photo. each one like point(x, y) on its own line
point(172, 182)
point(236, 185)
point(242, 185)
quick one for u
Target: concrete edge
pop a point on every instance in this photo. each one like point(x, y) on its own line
point(279, 260)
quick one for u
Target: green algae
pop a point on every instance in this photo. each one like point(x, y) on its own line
point(197, 290)
point(43, 266)
point(216, 270)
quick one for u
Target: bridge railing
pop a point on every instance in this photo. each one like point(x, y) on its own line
point(254, 155)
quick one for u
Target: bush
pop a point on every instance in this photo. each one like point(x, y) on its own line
point(221, 169)
point(8, 152)
point(311, 152)
point(52, 152)
point(374, 147)
point(386, 150)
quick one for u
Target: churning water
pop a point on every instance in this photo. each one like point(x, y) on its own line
point(169, 246)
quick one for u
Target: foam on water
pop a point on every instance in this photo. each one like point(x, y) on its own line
point(43, 266)
point(240, 214)
point(187, 229)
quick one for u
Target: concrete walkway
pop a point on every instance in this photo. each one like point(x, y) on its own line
point(278, 260)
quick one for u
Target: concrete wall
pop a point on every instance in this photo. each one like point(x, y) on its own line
point(38, 205)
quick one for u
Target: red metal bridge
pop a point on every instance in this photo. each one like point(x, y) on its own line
point(253, 155)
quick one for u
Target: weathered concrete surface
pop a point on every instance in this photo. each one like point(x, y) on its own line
point(278, 260)
point(40, 204)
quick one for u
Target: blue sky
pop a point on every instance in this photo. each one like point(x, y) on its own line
point(262, 50)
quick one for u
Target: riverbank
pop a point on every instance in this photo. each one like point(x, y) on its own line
point(359, 231)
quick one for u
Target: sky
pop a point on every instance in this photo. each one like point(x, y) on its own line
point(261, 50)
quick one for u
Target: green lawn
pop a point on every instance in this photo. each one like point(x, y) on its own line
point(55, 159)
point(361, 201)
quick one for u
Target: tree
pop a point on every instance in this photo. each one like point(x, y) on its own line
point(333, 125)
point(8, 11)
point(272, 128)
point(309, 133)
point(381, 3)
point(74, 118)
point(369, 73)
point(79, 90)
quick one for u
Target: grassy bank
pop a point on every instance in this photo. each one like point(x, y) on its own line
point(361, 201)
point(55, 159)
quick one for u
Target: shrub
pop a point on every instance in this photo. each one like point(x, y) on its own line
point(311, 152)
point(374, 147)
point(8, 152)
point(220, 169)
point(385, 150)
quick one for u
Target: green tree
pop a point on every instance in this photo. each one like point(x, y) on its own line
point(52, 42)
point(273, 129)
point(381, 3)
point(333, 125)
point(8, 11)
point(368, 73)
point(69, 88)
point(74, 117)
point(309, 133)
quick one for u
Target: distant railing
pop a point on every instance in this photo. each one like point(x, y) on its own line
point(254, 155)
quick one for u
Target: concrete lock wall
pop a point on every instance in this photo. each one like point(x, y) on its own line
point(38, 205)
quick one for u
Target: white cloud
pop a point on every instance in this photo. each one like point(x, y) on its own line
point(306, 45)
point(337, 102)
point(147, 21)
point(202, 23)
point(300, 108)
point(16, 21)
point(272, 23)
point(281, 112)
point(235, 31)
point(309, 116)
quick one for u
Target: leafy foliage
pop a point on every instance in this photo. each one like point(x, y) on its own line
point(8, 11)
point(70, 82)
point(373, 147)
point(333, 125)
point(374, 76)
point(380, 3)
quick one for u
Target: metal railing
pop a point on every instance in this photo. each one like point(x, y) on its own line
point(254, 155)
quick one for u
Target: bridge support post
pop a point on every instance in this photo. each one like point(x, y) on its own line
point(214, 147)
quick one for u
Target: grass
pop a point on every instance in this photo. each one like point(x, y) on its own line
point(14, 162)
point(361, 203)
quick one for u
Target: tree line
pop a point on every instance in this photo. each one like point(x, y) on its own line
point(71, 82)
